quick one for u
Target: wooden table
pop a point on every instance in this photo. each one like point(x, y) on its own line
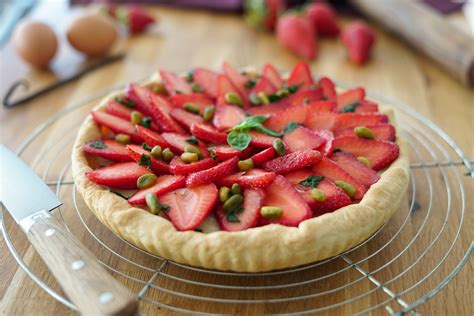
point(185, 39)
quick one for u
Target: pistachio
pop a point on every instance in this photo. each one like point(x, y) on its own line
point(191, 108)
point(279, 147)
point(283, 92)
point(255, 99)
point(235, 189)
point(318, 195)
point(156, 152)
point(233, 203)
point(208, 113)
point(135, 117)
point(365, 161)
point(224, 194)
point(364, 132)
point(153, 204)
point(271, 212)
point(189, 157)
point(122, 139)
point(147, 180)
point(196, 88)
point(233, 98)
point(159, 88)
point(192, 149)
point(263, 97)
point(347, 187)
point(245, 165)
point(167, 155)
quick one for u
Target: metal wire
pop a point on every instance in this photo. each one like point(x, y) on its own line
point(420, 134)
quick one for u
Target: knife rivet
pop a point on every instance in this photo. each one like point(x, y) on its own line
point(77, 265)
point(50, 232)
point(106, 297)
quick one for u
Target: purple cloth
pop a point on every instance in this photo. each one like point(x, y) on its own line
point(217, 5)
point(444, 6)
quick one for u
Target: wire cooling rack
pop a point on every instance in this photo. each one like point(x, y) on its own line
point(405, 263)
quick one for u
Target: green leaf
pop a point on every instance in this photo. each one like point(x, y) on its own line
point(238, 140)
point(350, 107)
point(290, 127)
point(273, 97)
point(178, 91)
point(145, 160)
point(199, 230)
point(193, 140)
point(189, 76)
point(311, 181)
point(165, 208)
point(145, 122)
point(293, 88)
point(146, 147)
point(232, 215)
point(268, 131)
point(255, 122)
point(98, 144)
point(127, 103)
point(196, 87)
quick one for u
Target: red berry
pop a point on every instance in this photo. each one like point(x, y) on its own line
point(185, 118)
point(177, 166)
point(272, 74)
point(175, 84)
point(255, 178)
point(358, 38)
point(113, 150)
point(116, 124)
point(297, 160)
point(323, 19)
point(357, 170)
point(212, 174)
point(207, 80)
point(296, 33)
point(122, 175)
point(158, 166)
point(163, 185)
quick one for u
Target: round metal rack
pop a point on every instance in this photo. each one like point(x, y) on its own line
point(405, 263)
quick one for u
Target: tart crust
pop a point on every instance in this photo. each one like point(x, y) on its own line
point(257, 249)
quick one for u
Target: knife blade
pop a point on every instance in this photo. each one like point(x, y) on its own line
point(85, 281)
point(22, 192)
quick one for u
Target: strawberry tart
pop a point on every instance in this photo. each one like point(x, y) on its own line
point(244, 171)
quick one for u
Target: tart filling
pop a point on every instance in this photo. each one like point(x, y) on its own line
point(251, 152)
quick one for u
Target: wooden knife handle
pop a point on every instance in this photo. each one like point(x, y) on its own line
point(428, 31)
point(85, 281)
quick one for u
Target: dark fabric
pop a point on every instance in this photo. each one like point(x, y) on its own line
point(445, 6)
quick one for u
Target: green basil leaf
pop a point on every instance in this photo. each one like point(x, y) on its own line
point(238, 140)
point(165, 208)
point(146, 122)
point(293, 88)
point(145, 160)
point(196, 88)
point(290, 127)
point(193, 140)
point(311, 181)
point(146, 147)
point(98, 144)
point(350, 107)
point(251, 83)
point(127, 103)
point(267, 131)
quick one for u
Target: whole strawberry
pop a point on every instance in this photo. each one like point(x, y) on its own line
point(295, 32)
point(358, 38)
point(323, 18)
point(263, 14)
point(136, 19)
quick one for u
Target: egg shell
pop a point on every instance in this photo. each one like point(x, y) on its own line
point(92, 34)
point(35, 42)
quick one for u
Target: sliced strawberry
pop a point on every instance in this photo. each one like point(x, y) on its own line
point(116, 124)
point(329, 89)
point(238, 80)
point(113, 151)
point(185, 119)
point(224, 85)
point(323, 17)
point(263, 156)
point(175, 84)
point(357, 170)
point(263, 86)
point(224, 152)
point(248, 218)
point(282, 194)
point(122, 175)
point(199, 100)
point(177, 166)
point(294, 114)
point(320, 120)
point(350, 96)
point(380, 153)
point(301, 76)
point(151, 138)
point(260, 140)
point(160, 109)
point(380, 131)
point(367, 106)
point(321, 106)
point(178, 142)
point(344, 120)
point(207, 80)
point(271, 108)
point(122, 111)
point(328, 146)
point(163, 185)
point(141, 96)
point(158, 166)
point(272, 74)
point(303, 138)
point(227, 116)
point(304, 96)
point(329, 169)
point(208, 133)
point(297, 160)
point(255, 178)
point(188, 207)
point(212, 174)
point(335, 196)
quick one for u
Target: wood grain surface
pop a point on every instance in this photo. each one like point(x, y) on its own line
point(190, 38)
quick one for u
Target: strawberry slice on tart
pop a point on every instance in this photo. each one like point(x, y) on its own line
point(207, 80)
point(296, 160)
point(175, 84)
point(185, 118)
point(116, 124)
point(303, 138)
point(179, 167)
point(144, 157)
point(108, 149)
point(122, 175)
point(151, 138)
point(212, 174)
point(164, 184)
point(255, 178)
point(272, 74)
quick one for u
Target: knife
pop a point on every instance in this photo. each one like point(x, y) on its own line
point(85, 281)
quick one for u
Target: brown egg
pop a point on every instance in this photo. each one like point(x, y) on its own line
point(35, 42)
point(92, 34)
